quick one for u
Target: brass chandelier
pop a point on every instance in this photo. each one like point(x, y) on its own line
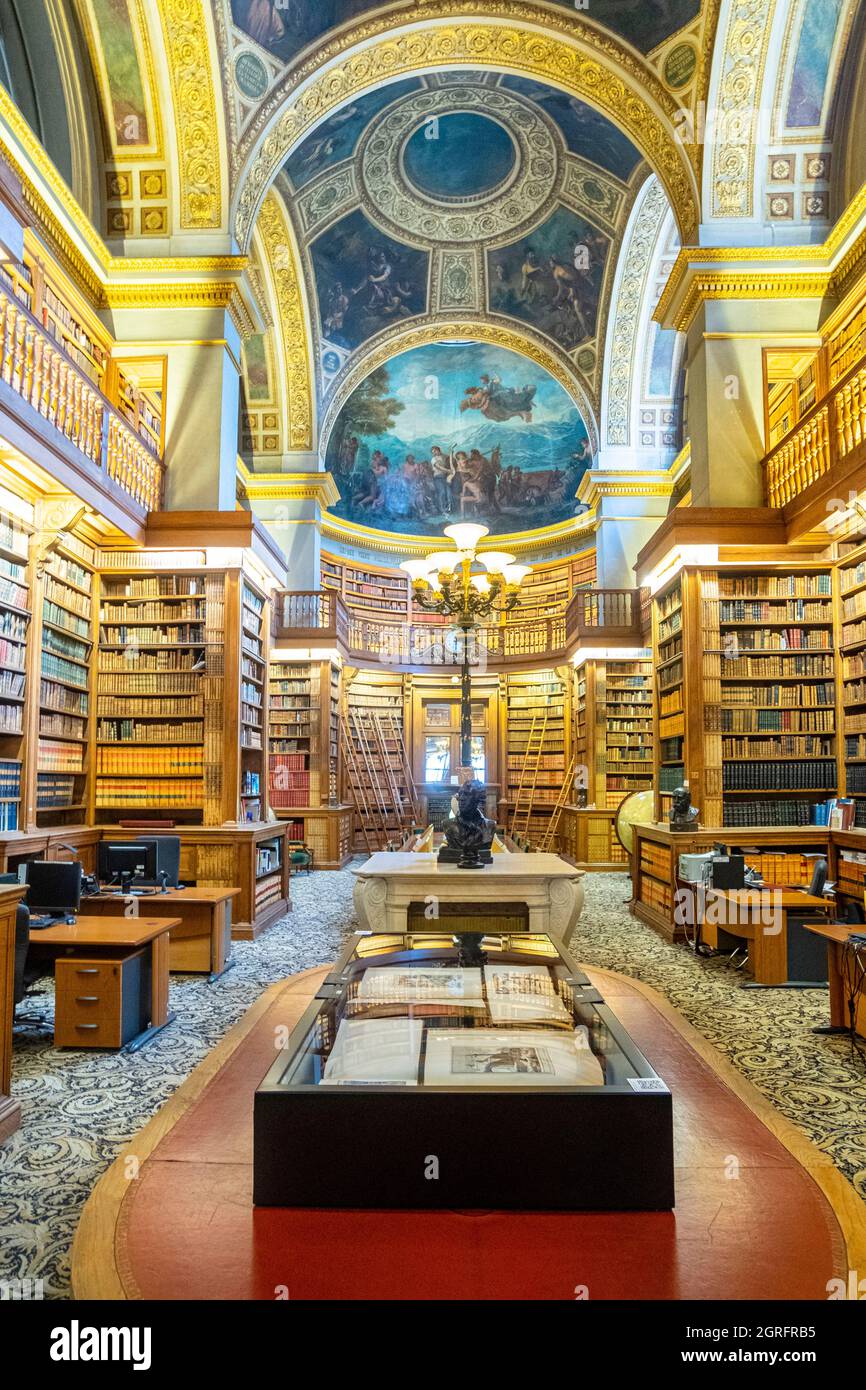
point(443, 583)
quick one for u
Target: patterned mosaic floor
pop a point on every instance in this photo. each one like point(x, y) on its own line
point(79, 1109)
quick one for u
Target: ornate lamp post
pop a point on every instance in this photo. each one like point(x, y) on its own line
point(444, 583)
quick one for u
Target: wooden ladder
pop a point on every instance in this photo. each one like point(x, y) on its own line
point(401, 808)
point(396, 733)
point(356, 787)
point(561, 803)
point(529, 775)
point(374, 788)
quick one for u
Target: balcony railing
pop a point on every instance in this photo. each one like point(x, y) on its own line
point(47, 378)
point(320, 617)
point(830, 434)
point(608, 616)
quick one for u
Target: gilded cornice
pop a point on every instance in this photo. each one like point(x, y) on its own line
point(316, 487)
point(647, 482)
point(486, 328)
point(569, 52)
point(519, 542)
point(294, 327)
point(837, 260)
point(185, 26)
point(172, 294)
point(744, 284)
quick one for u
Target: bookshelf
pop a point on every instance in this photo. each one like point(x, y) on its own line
point(669, 692)
point(15, 622)
point(777, 715)
point(372, 695)
point(530, 694)
point(254, 628)
point(66, 638)
point(304, 757)
point(153, 636)
point(613, 728)
point(851, 630)
point(376, 591)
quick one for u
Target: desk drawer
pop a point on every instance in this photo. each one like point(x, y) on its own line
point(101, 1002)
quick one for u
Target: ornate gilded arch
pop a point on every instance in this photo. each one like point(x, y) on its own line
point(564, 51)
point(292, 322)
point(486, 329)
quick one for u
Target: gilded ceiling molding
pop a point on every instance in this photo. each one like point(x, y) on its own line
point(565, 51)
point(485, 329)
point(572, 531)
point(636, 258)
point(296, 335)
point(193, 74)
point(737, 109)
point(744, 284)
point(312, 487)
point(200, 294)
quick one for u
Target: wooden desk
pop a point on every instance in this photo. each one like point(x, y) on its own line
point(836, 935)
point(201, 944)
point(742, 910)
point(96, 935)
point(10, 1111)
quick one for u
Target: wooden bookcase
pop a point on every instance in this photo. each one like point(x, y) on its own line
point(66, 637)
point(254, 634)
point(529, 696)
point(369, 695)
point(851, 702)
point(15, 625)
point(613, 728)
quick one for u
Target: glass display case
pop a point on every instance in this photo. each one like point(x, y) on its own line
point(462, 1072)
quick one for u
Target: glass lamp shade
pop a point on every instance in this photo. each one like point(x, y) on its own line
point(494, 561)
point(515, 574)
point(416, 569)
point(466, 534)
point(481, 583)
point(442, 560)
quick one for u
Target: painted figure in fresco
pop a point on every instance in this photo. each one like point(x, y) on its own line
point(569, 284)
point(263, 20)
point(531, 277)
point(335, 309)
point(443, 472)
point(498, 402)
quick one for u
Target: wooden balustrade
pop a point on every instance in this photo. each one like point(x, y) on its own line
point(829, 434)
point(611, 616)
point(317, 616)
point(47, 378)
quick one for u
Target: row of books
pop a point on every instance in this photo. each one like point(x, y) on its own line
point(8, 815)
point(11, 655)
point(10, 779)
point(853, 632)
point(135, 731)
point(785, 811)
point(168, 634)
point(61, 644)
point(157, 762)
point(154, 586)
point(818, 774)
point(787, 745)
point(70, 600)
point(154, 612)
point(783, 639)
point(63, 670)
point(13, 593)
point(13, 625)
point(144, 683)
point(13, 536)
point(821, 693)
point(138, 662)
point(793, 610)
point(56, 756)
point(54, 696)
point(775, 586)
point(62, 725)
point(53, 792)
point(61, 567)
point(760, 721)
point(144, 793)
point(70, 622)
point(785, 664)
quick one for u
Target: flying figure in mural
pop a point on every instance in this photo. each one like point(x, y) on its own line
point(498, 402)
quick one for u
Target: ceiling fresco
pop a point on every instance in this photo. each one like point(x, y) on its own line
point(285, 27)
point(458, 431)
point(461, 194)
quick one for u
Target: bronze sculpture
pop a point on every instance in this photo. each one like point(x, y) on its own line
point(469, 836)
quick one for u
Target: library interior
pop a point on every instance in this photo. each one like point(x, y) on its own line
point(352, 772)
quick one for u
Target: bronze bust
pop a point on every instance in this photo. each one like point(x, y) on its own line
point(469, 836)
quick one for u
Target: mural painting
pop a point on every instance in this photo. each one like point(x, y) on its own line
point(336, 138)
point(812, 63)
point(365, 281)
point(286, 26)
point(552, 279)
point(122, 75)
point(586, 132)
point(458, 431)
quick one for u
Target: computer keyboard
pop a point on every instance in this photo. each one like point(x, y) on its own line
point(51, 919)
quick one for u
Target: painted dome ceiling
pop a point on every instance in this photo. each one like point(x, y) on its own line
point(462, 196)
point(285, 27)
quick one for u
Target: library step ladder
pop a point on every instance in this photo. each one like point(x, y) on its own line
point(398, 798)
point(363, 811)
point(394, 732)
point(387, 807)
point(548, 837)
point(529, 776)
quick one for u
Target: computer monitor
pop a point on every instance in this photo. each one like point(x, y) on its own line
point(134, 859)
point(53, 887)
point(167, 857)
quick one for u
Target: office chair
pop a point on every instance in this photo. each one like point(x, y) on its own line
point(819, 878)
point(22, 978)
